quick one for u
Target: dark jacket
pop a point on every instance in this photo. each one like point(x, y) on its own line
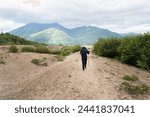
point(84, 52)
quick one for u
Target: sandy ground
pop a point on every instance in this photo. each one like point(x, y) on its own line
point(21, 79)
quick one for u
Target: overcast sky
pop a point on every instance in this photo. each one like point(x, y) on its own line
point(116, 15)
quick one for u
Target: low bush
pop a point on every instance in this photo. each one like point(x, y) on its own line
point(66, 50)
point(28, 49)
point(39, 62)
point(13, 49)
point(135, 89)
point(42, 49)
point(130, 78)
point(37, 49)
point(2, 60)
point(75, 48)
point(55, 52)
point(107, 47)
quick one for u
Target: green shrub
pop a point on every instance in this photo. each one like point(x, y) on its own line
point(36, 61)
point(66, 50)
point(42, 49)
point(144, 52)
point(39, 62)
point(107, 47)
point(2, 60)
point(135, 89)
point(130, 78)
point(28, 49)
point(135, 50)
point(13, 49)
point(37, 49)
point(75, 48)
point(55, 52)
point(128, 50)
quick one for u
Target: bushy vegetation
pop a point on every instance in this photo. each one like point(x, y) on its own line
point(28, 49)
point(66, 50)
point(133, 50)
point(135, 89)
point(61, 53)
point(107, 47)
point(42, 49)
point(37, 49)
point(130, 78)
point(13, 49)
point(39, 62)
point(9, 39)
point(57, 52)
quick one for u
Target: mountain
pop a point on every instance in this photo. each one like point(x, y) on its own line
point(34, 28)
point(56, 34)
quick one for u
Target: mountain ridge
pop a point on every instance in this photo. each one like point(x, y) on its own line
point(77, 35)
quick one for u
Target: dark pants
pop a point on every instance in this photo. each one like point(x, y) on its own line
point(84, 62)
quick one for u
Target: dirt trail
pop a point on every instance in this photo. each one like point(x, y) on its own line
point(67, 80)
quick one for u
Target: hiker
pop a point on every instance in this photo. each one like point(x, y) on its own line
point(84, 53)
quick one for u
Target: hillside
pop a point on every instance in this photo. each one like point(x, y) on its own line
point(65, 80)
point(51, 36)
point(78, 35)
point(9, 39)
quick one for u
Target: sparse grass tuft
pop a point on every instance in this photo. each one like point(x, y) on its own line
point(130, 78)
point(13, 49)
point(60, 57)
point(135, 89)
point(39, 62)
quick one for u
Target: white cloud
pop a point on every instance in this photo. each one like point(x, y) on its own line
point(34, 3)
point(8, 25)
point(116, 15)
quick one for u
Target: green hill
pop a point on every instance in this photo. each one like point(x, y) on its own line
point(51, 36)
point(9, 39)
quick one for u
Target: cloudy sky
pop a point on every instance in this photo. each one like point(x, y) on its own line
point(116, 15)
